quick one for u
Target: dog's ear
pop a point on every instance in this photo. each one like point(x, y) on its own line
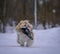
point(21, 22)
point(18, 26)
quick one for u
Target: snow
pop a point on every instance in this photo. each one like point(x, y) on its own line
point(45, 42)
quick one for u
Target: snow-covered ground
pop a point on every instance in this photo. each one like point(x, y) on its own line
point(45, 42)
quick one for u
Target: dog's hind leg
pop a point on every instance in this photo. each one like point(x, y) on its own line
point(21, 43)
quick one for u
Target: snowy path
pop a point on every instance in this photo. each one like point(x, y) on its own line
point(45, 42)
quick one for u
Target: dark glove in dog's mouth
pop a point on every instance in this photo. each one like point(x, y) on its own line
point(26, 31)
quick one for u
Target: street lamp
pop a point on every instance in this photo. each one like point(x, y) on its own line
point(54, 20)
point(41, 2)
point(54, 11)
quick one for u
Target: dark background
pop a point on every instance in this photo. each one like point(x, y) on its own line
point(16, 10)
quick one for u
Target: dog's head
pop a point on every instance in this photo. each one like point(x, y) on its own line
point(24, 23)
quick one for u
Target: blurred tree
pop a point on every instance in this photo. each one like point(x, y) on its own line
point(2, 13)
point(48, 11)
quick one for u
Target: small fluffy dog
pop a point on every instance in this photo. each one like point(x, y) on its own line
point(25, 33)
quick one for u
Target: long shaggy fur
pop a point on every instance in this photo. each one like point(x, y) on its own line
point(22, 39)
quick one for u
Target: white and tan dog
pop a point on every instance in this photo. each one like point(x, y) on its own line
point(23, 39)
